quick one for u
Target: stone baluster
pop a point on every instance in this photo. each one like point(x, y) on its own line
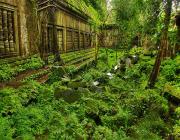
point(44, 47)
point(5, 31)
point(10, 31)
point(1, 35)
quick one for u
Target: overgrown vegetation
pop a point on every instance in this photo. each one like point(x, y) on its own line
point(108, 99)
point(116, 108)
point(9, 71)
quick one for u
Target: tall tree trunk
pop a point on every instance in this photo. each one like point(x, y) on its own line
point(178, 40)
point(96, 47)
point(177, 47)
point(163, 45)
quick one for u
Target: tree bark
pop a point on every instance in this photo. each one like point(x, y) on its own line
point(177, 47)
point(163, 45)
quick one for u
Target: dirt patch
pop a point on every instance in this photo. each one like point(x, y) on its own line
point(17, 81)
point(13, 84)
point(43, 79)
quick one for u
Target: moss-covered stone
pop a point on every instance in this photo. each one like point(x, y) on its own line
point(67, 94)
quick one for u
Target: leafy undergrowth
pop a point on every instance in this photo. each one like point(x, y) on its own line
point(8, 71)
point(118, 108)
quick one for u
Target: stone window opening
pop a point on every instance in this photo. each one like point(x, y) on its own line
point(7, 33)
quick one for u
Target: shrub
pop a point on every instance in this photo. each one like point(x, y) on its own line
point(6, 72)
point(118, 120)
point(145, 102)
point(136, 51)
point(10, 102)
point(104, 133)
point(152, 127)
point(177, 112)
point(169, 68)
point(6, 132)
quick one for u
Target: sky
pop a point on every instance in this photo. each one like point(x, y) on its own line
point(109, 4)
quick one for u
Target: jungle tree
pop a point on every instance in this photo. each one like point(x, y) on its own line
point(136, 17)
point(163, 44)
point(178, 32)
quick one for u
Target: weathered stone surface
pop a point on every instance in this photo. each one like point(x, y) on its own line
point(16, 35)
point(67, 94)
point(96, 89)
point(58, 71)
point(76, 85)
point(84, 91)
point(11, 2)
point(28, 35)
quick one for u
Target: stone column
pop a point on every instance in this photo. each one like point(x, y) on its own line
point(84, 41)
point(73, 42)
point(79, 35)
point(64, 39)
point(44, 43)
point(1, 35)
point(10, 31)
point(22, 27)
point(5, 31)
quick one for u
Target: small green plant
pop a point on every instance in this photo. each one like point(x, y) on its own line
point(6, 131)
point(169, 69)
point(119, 108)
point(6, 72)
point(9, 71)
point(71, 69)
point(136, 51)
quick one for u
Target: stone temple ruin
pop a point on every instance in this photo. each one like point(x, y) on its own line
point(55, 26)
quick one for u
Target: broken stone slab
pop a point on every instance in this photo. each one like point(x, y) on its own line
point(128, 62)
point(76, 85)
point(135, 59)
point(96, 83)
point(77, 79)
point(56, 74)
point(59, 70)
point(172, 93)
point(116, 67)
point(96, 89)
point(67, 94)
point(110, 75)
point(103, 79)
point(65, 80)
point(83, 90)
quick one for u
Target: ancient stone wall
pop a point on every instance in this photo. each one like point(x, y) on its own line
point(8, 38)
point(32, 26)
point(25, 30)
point(15, 28)
point(22, 25)
point(73, 29)
point(108, 35)
point(76, 30)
